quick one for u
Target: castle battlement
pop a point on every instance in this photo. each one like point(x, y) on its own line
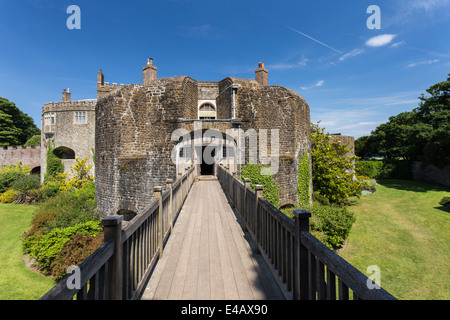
point(69, 105)
point(19, 147)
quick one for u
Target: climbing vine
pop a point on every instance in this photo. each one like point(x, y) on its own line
point(303, 180)
point(270, 192)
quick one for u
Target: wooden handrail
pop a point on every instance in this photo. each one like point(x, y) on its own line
point(303, 267)
point(120, 268)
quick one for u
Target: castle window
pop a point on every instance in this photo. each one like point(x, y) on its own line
point(50, 118)
point(185, 153)
point(80, 117)
point(227, 152)
point(207, 107)
point(207, 111)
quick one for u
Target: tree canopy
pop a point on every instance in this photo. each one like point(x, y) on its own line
point(16, 127)
point(422, 134)
point(332, 167)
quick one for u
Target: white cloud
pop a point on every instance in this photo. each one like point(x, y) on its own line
point(352, 53)
point(316, 85)
point(398, 44)
point(415, 64)
point(429, 5)
point(380, 40)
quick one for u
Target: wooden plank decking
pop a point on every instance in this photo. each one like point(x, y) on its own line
point(209, 256)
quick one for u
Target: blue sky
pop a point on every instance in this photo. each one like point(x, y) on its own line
point(353, 77)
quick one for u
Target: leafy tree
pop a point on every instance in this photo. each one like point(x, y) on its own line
point(33, 141)
point(8, 133)
point(332, 169)
point(392, 139)
point(362, 148)
point(421, 134)
point(16, 127)
point(433, 123)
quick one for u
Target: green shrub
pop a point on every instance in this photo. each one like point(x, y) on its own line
point(384, 169)
point(75, 251)
point(25, 183)
point(33, 141)
point(9, 196)
point(65, 209)
point(331, 224)
point(371, 169)
point(333, 221)
point(396, 169)
point(29, 197)
point(54, 164)
point(270, 192)
point(45, 247)
point(445, 202)
point(9, 174)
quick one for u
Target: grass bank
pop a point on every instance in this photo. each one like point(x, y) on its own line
point(17, 282)
point(402, 229)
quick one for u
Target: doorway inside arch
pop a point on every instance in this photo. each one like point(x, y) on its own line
point(207, 168)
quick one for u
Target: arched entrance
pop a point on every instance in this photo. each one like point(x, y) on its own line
point(205, 150)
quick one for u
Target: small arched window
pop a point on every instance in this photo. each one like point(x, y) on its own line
point(207, 107)
point(207, 111)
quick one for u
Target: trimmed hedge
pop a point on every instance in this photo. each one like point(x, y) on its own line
point(384, 169)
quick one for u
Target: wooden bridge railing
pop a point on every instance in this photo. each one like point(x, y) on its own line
point(303, 266)
point(119, 269)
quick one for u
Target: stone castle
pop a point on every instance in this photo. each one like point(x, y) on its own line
point(138, 133)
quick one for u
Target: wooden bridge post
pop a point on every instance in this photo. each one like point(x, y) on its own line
point(180, 176)
point(301, 281)
point(233, 194)
point(112, 228)
point(169, 183)
point(259, 193)
point(244, 213)
point(158, 196)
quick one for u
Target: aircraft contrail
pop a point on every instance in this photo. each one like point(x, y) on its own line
point(299, 32)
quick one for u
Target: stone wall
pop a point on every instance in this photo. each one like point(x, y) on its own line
point(133, 141)
point(431, 173)
point(30, 156)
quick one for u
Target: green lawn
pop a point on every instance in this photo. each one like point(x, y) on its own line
point(402, 229)
point(17, 282)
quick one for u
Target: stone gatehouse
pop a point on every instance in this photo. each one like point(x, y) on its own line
point(148, 133)
point(143, 134)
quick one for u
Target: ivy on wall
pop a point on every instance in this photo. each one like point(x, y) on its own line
point(270, 192)
point(303, 180)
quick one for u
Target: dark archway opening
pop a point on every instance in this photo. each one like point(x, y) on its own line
point(127, 214)
point(64, 153)
point(36, 170)
point(207, 168)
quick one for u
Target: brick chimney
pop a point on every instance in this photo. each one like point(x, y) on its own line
point(150, 72)
point(66, 95)
point(262, 75)
point(100, 78)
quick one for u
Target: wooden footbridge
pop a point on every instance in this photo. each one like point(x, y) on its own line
point(213, 238)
